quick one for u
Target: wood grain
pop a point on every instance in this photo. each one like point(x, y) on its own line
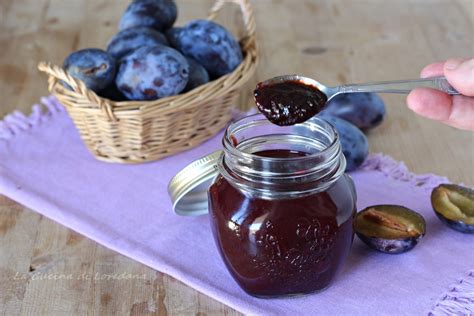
point(336, 41)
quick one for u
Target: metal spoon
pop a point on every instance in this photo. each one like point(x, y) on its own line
point(401, 86)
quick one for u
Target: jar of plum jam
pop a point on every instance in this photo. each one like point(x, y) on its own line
point(281, 207)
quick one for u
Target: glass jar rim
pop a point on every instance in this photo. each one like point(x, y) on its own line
point(321, 164)
point(229, 146)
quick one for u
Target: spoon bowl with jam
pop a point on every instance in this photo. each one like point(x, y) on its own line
point(292, 99)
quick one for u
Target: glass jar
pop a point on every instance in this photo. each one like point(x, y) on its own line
point(281, 207)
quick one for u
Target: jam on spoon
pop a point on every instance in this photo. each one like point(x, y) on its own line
point(289, 102)
point(292, 99)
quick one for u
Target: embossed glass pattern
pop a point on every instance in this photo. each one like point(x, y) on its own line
point(281, 207)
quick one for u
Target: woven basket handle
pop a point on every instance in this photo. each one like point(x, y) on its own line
point(250, 39)
point(58, 74)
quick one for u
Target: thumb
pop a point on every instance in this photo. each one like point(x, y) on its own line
point(460, 74)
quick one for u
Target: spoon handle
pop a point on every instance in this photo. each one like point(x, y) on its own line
point(402, 86)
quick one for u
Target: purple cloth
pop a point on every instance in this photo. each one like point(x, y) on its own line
point(45, 166)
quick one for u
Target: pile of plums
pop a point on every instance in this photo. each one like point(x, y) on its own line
point(148, 59)
point(352, 114)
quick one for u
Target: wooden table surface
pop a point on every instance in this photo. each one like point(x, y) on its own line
point(334, 41)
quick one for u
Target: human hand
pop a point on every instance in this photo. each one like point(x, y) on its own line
point(457, 111)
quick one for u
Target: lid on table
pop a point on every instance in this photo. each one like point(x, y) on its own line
point(188, 188)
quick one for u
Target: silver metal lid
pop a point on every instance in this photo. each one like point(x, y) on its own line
point(188, 188)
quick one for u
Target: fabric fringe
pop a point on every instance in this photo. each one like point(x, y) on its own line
point(458, 300)
point(398, 171)
point(17, 122)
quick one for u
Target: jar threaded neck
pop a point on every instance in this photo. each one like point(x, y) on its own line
point(320, 166)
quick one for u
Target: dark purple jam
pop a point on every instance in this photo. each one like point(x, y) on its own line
point(282, 246)
point(289, 102)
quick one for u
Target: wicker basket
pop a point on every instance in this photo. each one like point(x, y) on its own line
point(138, 131)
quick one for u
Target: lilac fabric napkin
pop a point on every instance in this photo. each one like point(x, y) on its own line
point(45, 166)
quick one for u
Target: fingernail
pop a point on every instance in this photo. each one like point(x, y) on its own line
point(452, 64)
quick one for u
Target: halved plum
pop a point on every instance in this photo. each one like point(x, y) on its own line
point(390, 228)
point(454, 206)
